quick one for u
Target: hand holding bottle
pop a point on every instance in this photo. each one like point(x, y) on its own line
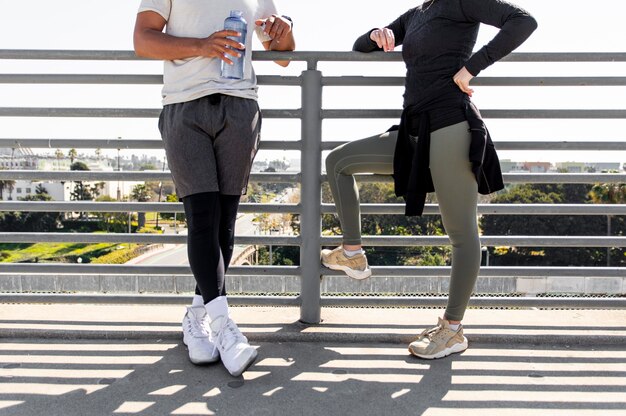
point(220, 45)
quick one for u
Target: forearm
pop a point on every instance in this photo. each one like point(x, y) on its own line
point(158, 45)
point(365, 44)
point(515, 25)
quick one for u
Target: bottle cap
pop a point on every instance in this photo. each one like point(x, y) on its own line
point(236, 13)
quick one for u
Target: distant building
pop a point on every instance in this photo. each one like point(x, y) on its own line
point(571, 167)
point(509, 166)
point(603, 166)
point(537, 167)
point(59, 191)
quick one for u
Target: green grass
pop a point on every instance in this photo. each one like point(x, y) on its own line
point(54, 252)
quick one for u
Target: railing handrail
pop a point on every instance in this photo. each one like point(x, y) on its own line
point(305, 56)
point(132, 144)
point(291, 208)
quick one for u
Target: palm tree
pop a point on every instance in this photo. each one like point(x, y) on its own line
point(608, 193)
point(59, 155)
point(72, 154)
point(141, 193)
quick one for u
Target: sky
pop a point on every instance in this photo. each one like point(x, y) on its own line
point(321, 25)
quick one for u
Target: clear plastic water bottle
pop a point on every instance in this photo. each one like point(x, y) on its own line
point(237, 23)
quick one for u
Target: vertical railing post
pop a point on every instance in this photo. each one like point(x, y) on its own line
point(311, 200)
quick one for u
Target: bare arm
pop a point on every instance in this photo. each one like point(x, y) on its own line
point(151, 42)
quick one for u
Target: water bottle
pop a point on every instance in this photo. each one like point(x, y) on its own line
point(237, 23)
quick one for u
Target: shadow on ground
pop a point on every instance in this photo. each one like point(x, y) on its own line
point(83, 377)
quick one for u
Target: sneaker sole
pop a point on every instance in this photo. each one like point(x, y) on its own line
point(246, 365)
point(355, 274)
point(200, 362)
point(456, 348)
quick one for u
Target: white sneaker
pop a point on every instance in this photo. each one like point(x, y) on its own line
point(237, 355)
point(197, 336)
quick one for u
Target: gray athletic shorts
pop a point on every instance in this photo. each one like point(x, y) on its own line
point(210, 143)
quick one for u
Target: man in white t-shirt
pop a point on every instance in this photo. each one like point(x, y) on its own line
point(210, 128)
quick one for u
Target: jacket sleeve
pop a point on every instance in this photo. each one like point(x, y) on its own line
point(365, 44)
point(515, 25)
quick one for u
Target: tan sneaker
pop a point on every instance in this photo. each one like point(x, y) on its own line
point(438, 342)
point(356, 267)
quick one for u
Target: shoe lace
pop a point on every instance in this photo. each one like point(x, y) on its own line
point(431, 333)
point(230, 334)
point(195, 327)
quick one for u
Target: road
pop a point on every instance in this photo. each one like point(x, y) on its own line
point(176, 254)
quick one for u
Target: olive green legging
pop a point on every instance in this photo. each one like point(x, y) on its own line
point(455, 186)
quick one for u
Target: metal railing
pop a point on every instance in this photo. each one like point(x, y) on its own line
point(310, 209)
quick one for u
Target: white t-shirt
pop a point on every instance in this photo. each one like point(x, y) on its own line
point(188, 79)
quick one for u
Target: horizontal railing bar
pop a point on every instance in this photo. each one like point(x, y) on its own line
point(566, 57)
point(488, 114)
point(124, 269)
point(139, 238)
point(109, 79)
point(386, 209)
point(522, 178)
point(168, 207)
point(121, 79)
point(116, 112)
point(477, 302)
point(297, 113)
point(326, 301)
point(309, 56)
point(294, 144)
point(494, 209)
point(562, 145)
point(489, 241)
point(380, 241)
point(123, 144)
point(277, 80)
point(88, 175)
point(589, 145)
point(35, 175)
point(55, 269)
point(365, 81)
point(143, 299)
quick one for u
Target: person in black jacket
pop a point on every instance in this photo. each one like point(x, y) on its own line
point(441, 145)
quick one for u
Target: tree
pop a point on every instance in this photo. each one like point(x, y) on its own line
point(72, 154)
point(141, 193)
point(59, 155)
point(392, 225)
point(6, 184)
point(80, 191)
point(31, 221)
point(114, 222)
point(608, 193)
point(549, 225)
point(612, 193)
point(167, 215)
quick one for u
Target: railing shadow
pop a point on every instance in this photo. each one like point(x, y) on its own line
point(121, 377)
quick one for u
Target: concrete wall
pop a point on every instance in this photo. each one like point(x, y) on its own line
point(291, 284)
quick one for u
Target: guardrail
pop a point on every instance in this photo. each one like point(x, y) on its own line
point(310, 209)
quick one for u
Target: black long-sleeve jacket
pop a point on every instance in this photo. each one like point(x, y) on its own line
point(438, 38)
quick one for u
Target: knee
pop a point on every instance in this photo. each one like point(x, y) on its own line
point(202, 213)
point(332, 160)
point(464, 235)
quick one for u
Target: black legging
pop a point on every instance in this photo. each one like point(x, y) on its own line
point(211, 221)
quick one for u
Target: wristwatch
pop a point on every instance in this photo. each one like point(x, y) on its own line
point(288, 18)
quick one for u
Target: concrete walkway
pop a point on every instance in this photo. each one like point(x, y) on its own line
point(107, 359)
